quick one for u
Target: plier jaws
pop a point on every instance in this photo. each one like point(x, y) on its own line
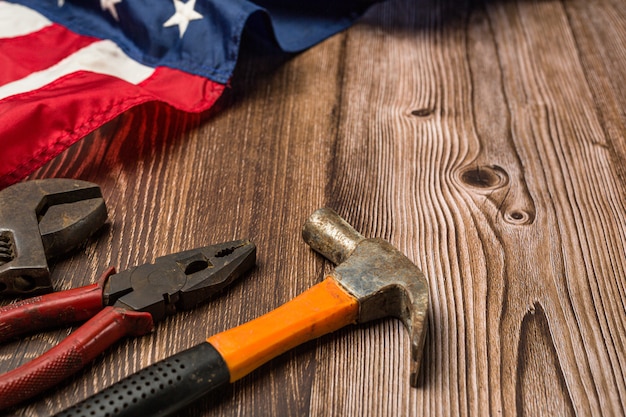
point(119, 304)
point(179, 281)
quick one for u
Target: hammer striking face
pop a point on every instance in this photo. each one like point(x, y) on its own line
point(372, 280)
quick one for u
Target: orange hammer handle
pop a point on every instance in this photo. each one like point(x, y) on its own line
point(322, 309)
point(174, 382)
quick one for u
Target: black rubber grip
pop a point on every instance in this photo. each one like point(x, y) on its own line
point(160, 389)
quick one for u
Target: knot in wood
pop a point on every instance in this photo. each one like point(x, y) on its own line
point(423, 112)
point(485, 177)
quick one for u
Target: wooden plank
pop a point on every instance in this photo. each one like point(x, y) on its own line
point(486, 162)
point(484, 139)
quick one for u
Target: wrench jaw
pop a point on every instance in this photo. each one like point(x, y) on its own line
point(41, 220)
point(65, 226)
point(24, 268)
point(25, 281)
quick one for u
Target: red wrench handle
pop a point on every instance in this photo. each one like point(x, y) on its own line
point(52, 310)
point(69, 356)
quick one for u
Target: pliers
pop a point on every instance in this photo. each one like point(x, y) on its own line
point(119, 304)
point(42, 219)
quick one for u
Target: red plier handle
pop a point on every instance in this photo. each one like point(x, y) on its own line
point(121, 304)
point(106, 325)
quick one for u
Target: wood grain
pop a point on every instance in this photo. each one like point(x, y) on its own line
point(484, 139)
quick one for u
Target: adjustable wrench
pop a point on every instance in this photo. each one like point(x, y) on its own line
point(41, 220)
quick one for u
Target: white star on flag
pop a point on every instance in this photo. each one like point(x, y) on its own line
point(184, 14)
point(110, 6)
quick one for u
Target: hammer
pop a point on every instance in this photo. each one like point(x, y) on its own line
point(372, 280)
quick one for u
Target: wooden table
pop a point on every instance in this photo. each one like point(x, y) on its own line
point(486, 140)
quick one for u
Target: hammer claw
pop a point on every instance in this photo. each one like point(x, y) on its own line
point(417, 327)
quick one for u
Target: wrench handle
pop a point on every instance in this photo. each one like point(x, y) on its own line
point(69, 356)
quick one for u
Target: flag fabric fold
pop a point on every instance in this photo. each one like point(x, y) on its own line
point(70, 66)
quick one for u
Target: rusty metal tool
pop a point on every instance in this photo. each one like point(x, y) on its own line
point(41, 220)
point(119, 304)
point(372, 280)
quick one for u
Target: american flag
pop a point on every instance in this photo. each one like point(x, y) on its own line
point(68, 67)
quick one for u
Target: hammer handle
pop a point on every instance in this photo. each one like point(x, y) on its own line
point(160, 389)
point(322, 309)
point(167, 386)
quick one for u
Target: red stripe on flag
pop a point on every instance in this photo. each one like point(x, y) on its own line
point(40, 124)
point(186, 92)
point(37, 51)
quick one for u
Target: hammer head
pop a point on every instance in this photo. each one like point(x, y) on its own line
point(381, 278)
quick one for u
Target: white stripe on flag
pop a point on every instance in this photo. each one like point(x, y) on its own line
point(103, 57)
point(18, 20)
